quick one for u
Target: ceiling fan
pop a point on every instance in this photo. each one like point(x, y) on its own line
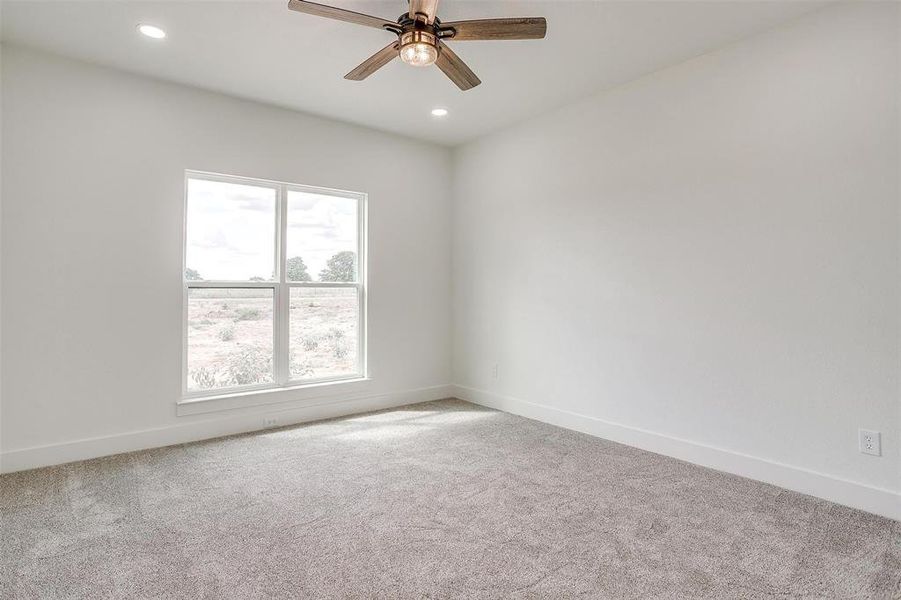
point(421, 36)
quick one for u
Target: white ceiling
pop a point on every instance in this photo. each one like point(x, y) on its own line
point(262, 51)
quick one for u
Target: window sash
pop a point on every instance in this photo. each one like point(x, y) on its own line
point(232, 389)
point(261, 183)
point(286, 334)
point(281, 290)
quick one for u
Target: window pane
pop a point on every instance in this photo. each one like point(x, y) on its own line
point(322, 237)
point(229, 337)
point(230, 231)
point(324, 332)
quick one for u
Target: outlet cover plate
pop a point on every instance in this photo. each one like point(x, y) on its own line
point(870, 442)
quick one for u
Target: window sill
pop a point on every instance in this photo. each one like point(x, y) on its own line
point(316, 393)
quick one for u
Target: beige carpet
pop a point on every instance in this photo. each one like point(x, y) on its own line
point(436, 500)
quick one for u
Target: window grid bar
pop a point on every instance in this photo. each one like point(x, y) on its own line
point(236, 285)
point(282, 360)
point(324, 284)
point(270, 284)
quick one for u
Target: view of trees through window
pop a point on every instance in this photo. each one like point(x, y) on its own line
point(234, 284)
point(340, 267)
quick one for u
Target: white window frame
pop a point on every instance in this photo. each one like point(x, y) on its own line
point(281, 288)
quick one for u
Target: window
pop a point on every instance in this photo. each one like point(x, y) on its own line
point(274, 291)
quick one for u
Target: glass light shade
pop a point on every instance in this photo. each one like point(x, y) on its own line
point(419, 54)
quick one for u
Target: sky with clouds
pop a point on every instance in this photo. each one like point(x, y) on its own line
point(231, 229)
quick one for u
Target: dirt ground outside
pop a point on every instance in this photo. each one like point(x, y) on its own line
point(230, 335)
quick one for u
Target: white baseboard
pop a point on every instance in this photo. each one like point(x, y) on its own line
point(857, 495)
point(325, 408)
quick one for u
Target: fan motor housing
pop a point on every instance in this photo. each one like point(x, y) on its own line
point(418, 36)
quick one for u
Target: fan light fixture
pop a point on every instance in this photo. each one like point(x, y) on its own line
point(151, 31)
point(422, 37)
point(418, 48)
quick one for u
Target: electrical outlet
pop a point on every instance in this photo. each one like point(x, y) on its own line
point(870, 442)
point(270, 422)
point(494, 371)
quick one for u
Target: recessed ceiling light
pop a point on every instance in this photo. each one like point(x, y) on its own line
point(151, 31)
point(439, 112)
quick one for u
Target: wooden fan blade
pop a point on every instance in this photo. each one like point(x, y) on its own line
point(330, 12)
point(456, 69)
point(374, 63)
point(519, 28)
point(424, 7)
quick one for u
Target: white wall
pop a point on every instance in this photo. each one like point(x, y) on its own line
point(710, 253)
point(92, 185)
